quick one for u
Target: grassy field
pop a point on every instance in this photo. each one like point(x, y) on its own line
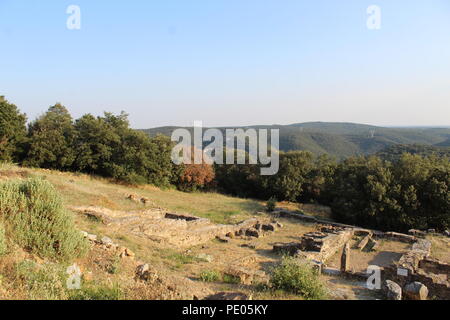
point(85, 190)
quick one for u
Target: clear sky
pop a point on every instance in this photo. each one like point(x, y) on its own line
point(230, 62)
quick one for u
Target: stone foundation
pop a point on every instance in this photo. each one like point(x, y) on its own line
point(415, 266)
point(317, 246)
point(177, 229)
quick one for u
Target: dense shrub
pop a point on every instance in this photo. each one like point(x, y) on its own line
point(271, 204)
point(36, 219)
point(298, 277)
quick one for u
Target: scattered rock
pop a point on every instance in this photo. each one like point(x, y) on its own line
point(129, 253)
point(417, 233)
point(364, 242)
point(269, 227)
point(447, 233)
point(133, 197)
point(106, 241)
point(249, 245)
point(230, 235)
point(431, 230)
point(205, 257)
point(84, 234)
point(252, 232)
point(142, 268)
point(144, 272)
point(287, 248)
point(392, 290)
point(223, 239)
point(416, 291)
point(98, 216)
point(125, 252)
point(245, 276)
point(92, 237)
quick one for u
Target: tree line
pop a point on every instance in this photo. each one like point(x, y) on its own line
point(386, 193)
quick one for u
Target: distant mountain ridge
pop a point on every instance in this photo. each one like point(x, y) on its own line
point(343, 140)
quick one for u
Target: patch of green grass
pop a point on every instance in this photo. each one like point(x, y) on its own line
point(210, 276)
point(181, 259)
point(216, 276)
point(230, 279)
point(298, 277)
point(99, 292)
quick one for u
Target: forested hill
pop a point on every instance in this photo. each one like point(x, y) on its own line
point(345, 139)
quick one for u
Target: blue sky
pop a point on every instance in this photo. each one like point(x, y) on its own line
point(230, 62)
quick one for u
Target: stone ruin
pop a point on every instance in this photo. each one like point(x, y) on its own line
point(181, 230)
point(317, 246)
point(415, 272)
point(417, 266)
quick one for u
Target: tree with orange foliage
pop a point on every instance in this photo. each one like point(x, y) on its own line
point(196, 176)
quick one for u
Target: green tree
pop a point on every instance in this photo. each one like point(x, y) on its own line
point(50, 143)
point(95, 141)
point(240, 180)
point(318, 180)
point(292, 177)
point(12, 131)
point(107, 146)
point(410, 193)
point(163, 171)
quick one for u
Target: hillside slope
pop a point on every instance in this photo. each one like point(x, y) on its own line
point(342, 140)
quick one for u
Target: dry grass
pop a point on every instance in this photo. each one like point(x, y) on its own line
point(440, 248)
point(311, 209)
point(78, 190)
point(388, 253)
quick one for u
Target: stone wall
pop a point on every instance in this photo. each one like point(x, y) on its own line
point(317, 246)
point(434, 266)
point(415, 265)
